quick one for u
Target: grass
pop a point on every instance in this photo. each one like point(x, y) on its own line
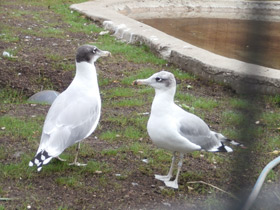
point(124, 130)
point(7, 35)
point(128, 103)
point(120, 92)
point(10, 96)
point(140, 74)
point(24, 129)
point(139, 54)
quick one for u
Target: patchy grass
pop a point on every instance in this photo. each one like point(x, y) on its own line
point(9, 95)
point(114, 153)
point(23, 129)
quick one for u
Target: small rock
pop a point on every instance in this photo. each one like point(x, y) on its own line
point(18, 154)
point(134, 184)
point(144, 113)
point(6, 54)
point(103, 33)
point(190, 188)
point(166, 204)
point(126, 196)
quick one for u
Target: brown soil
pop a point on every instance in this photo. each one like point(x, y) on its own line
point(32, 71)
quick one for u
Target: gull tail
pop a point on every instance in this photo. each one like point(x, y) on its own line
point(222, 148)
point(42, 158)
point(234, 143)
point(224, 139)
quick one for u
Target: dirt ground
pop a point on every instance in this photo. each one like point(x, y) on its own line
point(32, 72)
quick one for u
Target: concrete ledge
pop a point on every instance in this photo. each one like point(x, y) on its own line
point(239, 75)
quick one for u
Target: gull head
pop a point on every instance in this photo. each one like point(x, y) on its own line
point(90, 54)
point(162, 80)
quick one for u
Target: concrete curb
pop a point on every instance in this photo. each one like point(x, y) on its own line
point(239, 75)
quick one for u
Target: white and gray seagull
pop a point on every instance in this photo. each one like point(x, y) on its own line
point(75, 113)
point(174, 129)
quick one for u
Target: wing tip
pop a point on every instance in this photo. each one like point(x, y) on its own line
point(41, 158)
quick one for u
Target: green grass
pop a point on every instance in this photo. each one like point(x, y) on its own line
point(179, 74)
point(271, 119)
point(109, 135)
point(128, 103)
point(191, 102)
point(140, 74)
point(69, 181)
point(232, 118)
point(29, 129)
point(10, 96)
point(64, 66)
point(120, 92)
point(54, 56)
point(133, 53)
point(125, 130)
point(7, 34)
point(204, 103)
point(131, 132)
point(17, 170)
point(240, 103)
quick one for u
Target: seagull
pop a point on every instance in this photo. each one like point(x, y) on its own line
point(172, 128)
point(75, 113)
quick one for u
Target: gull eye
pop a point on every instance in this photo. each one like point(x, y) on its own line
point(158, 79)
point(94, 50)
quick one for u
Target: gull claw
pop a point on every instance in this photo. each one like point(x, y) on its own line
point(172, 184)
point(162, 178)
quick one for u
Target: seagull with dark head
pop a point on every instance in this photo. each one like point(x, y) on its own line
point(75, 113)
point(174, 129)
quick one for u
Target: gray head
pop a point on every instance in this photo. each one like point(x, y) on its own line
point(89, 53)
point(162, 80)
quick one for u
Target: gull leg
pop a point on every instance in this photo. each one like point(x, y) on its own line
point(76, 157)
point(169, 175)
point(174, 184)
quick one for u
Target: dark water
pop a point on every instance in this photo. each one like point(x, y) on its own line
point(255, 42)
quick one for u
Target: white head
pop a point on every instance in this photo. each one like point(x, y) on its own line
point(161, 81)
point(90, 54)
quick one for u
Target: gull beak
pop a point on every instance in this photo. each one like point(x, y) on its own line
point(140, 82)
point(104, 53)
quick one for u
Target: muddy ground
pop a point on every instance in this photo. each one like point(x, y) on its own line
point(32, 71)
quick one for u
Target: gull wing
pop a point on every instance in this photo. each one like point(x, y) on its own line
point(197, 131)
point(69, 120)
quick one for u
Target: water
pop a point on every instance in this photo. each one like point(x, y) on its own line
point(255, 42)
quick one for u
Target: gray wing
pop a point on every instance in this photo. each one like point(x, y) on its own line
point(197, 131)
point(69, 121)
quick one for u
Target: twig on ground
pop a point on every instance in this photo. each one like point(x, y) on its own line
point(202, 182)
point(7, 199)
